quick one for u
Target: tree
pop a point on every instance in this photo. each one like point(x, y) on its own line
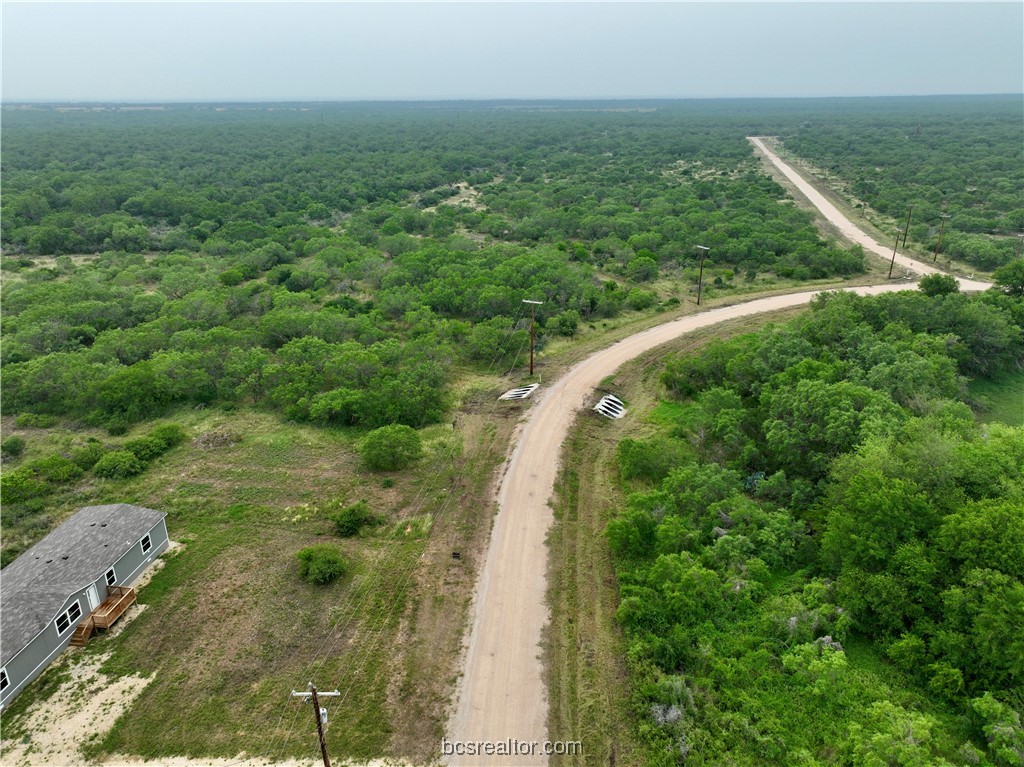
point(1011, 277)
point(390, 448)
point(938, 284)
point(642, 269)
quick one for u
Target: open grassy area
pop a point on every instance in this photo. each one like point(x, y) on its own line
point(230, 629)
point(1001, 399)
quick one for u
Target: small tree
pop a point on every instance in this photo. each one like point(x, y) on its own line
point(390, 448)
point(321, 564)
point(642, 269)
point(938, 284)
point(1010, 277)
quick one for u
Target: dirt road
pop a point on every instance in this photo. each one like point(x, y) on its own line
point(850, 230)
point(502, 694)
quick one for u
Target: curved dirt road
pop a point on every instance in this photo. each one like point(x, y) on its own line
point(502, 697)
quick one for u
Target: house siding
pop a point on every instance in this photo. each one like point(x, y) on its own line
point(134, 561)
point(40, 652)
point(34, 658)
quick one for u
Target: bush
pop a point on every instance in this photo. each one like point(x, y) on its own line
point(13, 446)
point(321, 564)
point(55, 469)
point(145, 448)
point(938, 284)
point(116, 427)
point(351, 519)
point(639, 300)
point(567, 322)
point(642, 269)
point(35, 421)
point(20, 485)
point(85, 457)
point(231, 277)
point(118, 464)
point(171, 434)
point(390, 448)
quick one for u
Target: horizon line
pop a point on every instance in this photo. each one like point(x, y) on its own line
point(482, 99)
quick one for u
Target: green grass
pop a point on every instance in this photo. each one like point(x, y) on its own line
point(1000, 399)
point(230, 629)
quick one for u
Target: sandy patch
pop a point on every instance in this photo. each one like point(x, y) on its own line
point(85, 705)
point(467, 195)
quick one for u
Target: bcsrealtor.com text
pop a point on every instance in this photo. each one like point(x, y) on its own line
point(510, 747)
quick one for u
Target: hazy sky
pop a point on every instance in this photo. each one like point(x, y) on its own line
point(196, 51)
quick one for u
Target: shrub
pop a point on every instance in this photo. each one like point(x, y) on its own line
point(171, 434)
point(145, 448)
point(85, 457)
point(321, 564)
point(231, 277)
point(938, 284)
point(55, 468)
point(13, 446)
point(351, 519)
point(642, 269)
point(116, 427)
point(639, 300)
point(567, 322)
point(20, 485)
point(35, 421)
point(118, 464)
point(390, 448)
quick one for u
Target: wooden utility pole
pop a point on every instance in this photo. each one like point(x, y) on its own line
point(910, 211)
point(942, 228)
point(700, 275)
point(895, 245)
point(320, 715)
point(533, 312)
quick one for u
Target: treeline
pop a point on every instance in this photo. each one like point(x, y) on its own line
point(317, 268)
point(823, 561)
point(951, 156)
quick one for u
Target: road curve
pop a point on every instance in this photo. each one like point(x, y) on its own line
point(502, 696)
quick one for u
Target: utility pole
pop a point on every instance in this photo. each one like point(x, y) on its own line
point(942, 228)
point(1020, 243)
point(319, 713)
point(895, 245)
point(910, 211)
point(700, 275)
point(533, 311)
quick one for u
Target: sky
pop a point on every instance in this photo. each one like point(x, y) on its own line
point(296, 51)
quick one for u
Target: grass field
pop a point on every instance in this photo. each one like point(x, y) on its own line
point(230, 629)
point(1001, 399)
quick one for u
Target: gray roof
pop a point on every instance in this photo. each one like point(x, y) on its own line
point(77, 553)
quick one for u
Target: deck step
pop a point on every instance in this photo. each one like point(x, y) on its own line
point(81, 636)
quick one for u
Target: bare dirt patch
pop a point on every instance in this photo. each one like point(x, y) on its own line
point(467, 195)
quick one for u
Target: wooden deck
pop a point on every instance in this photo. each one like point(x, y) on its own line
point(119, 599)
